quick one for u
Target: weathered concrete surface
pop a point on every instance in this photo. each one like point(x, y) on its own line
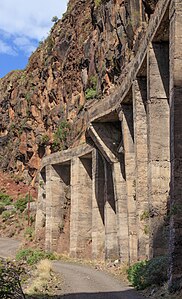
point(176, 143)
point(98, 203)
point(158, 145)
point(107, 137)
point(58, 178)
point(65, 156)
point(120, 191)
point(81, 207)
point(126, 117)
point(110, 217)
point(129, 74)
point(141, 164)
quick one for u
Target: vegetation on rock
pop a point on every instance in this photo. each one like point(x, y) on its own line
point(14, 217)
point(61, 135)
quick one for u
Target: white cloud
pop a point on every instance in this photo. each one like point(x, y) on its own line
point(24, 44)
point(24, 22)
point(29, 18)
point(6, 49)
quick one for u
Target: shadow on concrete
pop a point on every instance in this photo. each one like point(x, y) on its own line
point(128, 294)
point(160, 225)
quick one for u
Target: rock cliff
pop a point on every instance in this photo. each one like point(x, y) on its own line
point(42, 108)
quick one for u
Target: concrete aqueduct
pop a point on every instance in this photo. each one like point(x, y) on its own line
point(125, 182)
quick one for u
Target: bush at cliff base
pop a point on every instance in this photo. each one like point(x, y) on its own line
point(146, 273)
point(33, 256)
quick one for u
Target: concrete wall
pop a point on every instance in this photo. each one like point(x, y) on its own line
point(119, 178)
point(129, 157)
point(110, 218)
point(98, 203)
point(141, 164)
point(158, 145)
point(57, 180)
point(120, 184)
point(81, 207)
point(176, 144)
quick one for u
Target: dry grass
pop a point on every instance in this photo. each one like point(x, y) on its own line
point(44, 269)
point(41, 277)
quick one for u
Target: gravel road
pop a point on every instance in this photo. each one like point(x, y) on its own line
point(82, 282)
point(8, 247)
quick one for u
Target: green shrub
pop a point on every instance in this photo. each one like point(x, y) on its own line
point(44, 139)
point(2, 209)
point(136, 274)
point(90, 93)
point(32, 256)
point(60, 135)
point(62, 131)
point(97, 2)
point(145, 215)
point(146, 273)
point(156, 270)
point(6, 215)
point(29, 232)
point(54, 19)
point(21, 203)
point(5, 199)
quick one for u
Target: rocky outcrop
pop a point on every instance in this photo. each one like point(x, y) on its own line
point(42, 108)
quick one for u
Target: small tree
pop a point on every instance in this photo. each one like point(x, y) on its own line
point(54, 19)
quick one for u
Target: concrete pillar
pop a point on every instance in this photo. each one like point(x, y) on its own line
point(141, 160)
point(158, 145)
point(135, 12)
point(128, 141)
point(98, 203)
point(111, 240)
point(57, 177)
point(119, 178)
point(176, 144)
point(41, 204)
point(81, 207)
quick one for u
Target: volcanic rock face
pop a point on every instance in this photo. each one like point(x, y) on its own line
point(42, 109)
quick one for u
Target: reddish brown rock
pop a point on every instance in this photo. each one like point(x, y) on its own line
point(81, 59)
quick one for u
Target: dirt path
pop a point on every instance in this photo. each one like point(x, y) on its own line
point(8, 247)
point(82, 282)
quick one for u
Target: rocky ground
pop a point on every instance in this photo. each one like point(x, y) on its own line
point(14, 223)
point(12, 186)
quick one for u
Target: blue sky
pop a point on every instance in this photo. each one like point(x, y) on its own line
point(23, 24)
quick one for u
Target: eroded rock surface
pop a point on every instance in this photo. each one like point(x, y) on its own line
point(42, 108)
